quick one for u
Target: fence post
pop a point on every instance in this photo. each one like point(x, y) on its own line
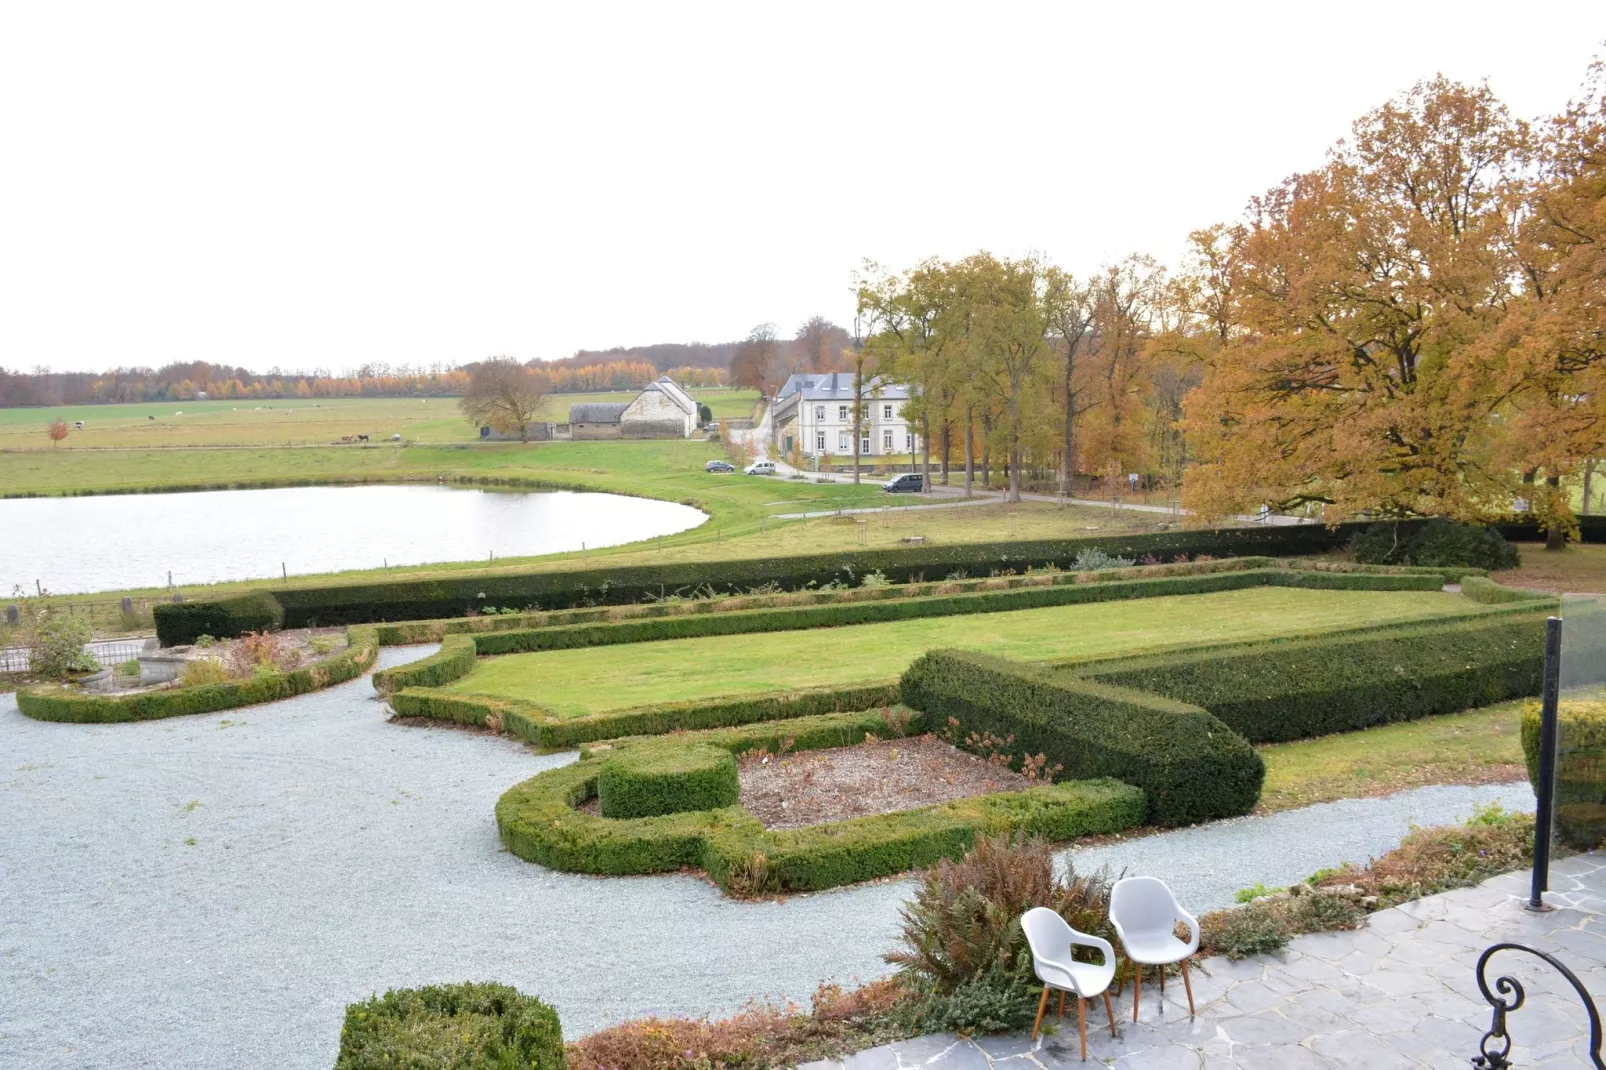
point(1546, 788)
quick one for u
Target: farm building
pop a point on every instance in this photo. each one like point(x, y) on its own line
point(662, 410)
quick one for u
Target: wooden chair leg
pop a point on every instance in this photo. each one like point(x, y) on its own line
point(1061, 1016)
point(1137, 989)
point(1188, 985)
point(1081, 1024)
point(1109, 1010)
point(1162, 980)
point(1042, 1005)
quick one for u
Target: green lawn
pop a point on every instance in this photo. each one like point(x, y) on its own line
point(612, 677)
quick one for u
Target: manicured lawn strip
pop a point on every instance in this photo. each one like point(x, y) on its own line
point(1473, 747)
point(538, 822)
point(580, 682)
point(51, 702)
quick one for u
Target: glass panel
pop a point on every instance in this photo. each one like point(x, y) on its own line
point(1580, 813)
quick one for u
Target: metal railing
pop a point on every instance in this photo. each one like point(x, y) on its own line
point(105, 651)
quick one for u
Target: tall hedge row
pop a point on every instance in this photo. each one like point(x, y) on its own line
point(450, 595)
point(1283, 690)
point(181, 623)
point(1190, 766)
point(1580, 769)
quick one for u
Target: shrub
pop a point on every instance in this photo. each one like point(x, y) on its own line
point(1094, 559)
point(963, 950)
point(1283, 690)
point(1484, 590)
point(451, 1027)
point(259, 650)
point(1265, 925)
point(1580, 769)
point(1438, 859)
point(1434, 543)
point(181, 623)
point(1190, 766)
point(646, 781)
point(55, 640)
point(200, 671)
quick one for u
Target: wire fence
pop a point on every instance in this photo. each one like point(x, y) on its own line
point(105, 651)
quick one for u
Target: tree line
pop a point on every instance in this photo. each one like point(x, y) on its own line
point(1414, 328)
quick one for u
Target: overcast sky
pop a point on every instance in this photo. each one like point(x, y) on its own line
point(325, 184)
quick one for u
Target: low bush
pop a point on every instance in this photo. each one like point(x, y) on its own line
point(454, 594)
point(539, 822)
point(647, 781)
point(1190, 765)
point(1580, 769)
point(1487, 592)
point(1282, 690)
point(54, 703)
point(453, 661)
point(181, 623)
point(198, 672)
point(1435, 543)
point(451, 1027)
point(1265, 925)
point(964, 957)
point(55, 640)
point(1441, 858)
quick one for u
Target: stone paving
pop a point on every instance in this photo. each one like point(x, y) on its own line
point(1399, 992)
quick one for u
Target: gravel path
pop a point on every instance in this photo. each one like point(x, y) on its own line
point(212, 891)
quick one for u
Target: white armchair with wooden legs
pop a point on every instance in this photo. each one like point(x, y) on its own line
point(1145, 915)
point(1051, 941)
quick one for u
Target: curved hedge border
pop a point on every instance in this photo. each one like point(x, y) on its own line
point(453, 594)
point(453, 661)
point(539, 823)
point(55, 703)
point(482, 1025)
point(1483, 590)
point(648, 781)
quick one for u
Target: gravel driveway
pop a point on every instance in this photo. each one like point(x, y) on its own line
point(212, 891)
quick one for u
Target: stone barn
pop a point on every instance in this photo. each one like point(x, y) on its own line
point(596, 419)
point(661, 410)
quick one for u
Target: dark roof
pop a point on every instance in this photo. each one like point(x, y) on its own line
point(597, 412)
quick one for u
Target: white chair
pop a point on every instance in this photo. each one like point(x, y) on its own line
point(1145, 916)
point(1051, 941)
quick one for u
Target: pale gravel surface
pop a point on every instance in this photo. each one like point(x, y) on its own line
point(336, 855)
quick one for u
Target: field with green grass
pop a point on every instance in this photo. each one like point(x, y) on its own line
point(589, 680)
point(288, 422)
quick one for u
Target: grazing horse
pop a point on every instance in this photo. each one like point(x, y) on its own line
point(362, 438)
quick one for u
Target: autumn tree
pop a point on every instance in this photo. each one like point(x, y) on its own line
point(757, 361)
point(503, 394)
point(56, 430)
point(1349, 376)
point(819, 345)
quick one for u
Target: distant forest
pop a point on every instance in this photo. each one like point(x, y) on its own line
point(761, 361)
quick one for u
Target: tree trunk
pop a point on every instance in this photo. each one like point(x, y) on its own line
point(970, 452)
point(1014, 475)
point(987, 452)
point(947, 445)
point(1589, 476)
point(1555, 535)
point(1068, 448)
point(925, 454)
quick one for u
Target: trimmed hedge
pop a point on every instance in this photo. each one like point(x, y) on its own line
point(181, 623)
point(462, 1027)
point(549, 731)
point(1190, 766)
point(1435, 542)
point(1485, 591)
point(539, 823)
point(451, 595)
point(647, 781)
point(1580, 769)
point(56, 703)
point(453, 661)
point(1282, 690)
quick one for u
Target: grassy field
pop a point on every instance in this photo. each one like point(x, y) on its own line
point(1579, 569)
point(1476, 747)
point(293, 422)
point(611, 677)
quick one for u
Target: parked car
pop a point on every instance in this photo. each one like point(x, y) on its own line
point(719, 466)
point(711, 427)
point(760, 468)
point(909, 482)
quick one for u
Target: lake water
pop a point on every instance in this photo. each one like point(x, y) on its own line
point(73, 545)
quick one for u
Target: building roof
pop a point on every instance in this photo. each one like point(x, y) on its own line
point(597, 412)
point(672, 390)
point(838, 386)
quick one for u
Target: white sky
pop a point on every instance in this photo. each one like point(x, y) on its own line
point(324, 184)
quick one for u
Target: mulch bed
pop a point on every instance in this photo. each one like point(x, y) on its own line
point(877, 777)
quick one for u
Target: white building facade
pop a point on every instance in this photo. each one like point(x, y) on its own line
point(814, 414)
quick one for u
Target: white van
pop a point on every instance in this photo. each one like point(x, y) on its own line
point(760, 468)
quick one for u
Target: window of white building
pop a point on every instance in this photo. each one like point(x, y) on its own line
point(819, 413)
point(819, 441)
point(886, 442)
point(844, 442)
point(909, 443)
point(842, 413)
point(886, 412)
point(864, 444)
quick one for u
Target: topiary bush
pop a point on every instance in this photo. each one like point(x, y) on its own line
point(1438, 543)
point(181, 623)
point(1580, 769)
point(451, 1027)
point(647, 781)
point(1190, 765)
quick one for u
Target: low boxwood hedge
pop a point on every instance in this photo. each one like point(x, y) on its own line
point(647, 781)
point(1483, 590)
point(1272, 691)
point(181, 623)
point(460, 1027)
point(1190, 766)
point(549, 731)
point(451, 595)
point(53, 702)
point(539, 823)
point(453, 661)
point(1580, 769)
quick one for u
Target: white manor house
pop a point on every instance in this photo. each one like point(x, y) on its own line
point(814, 414)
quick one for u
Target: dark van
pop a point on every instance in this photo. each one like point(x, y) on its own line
point(909, 482)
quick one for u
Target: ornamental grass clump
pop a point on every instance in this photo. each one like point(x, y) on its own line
point(964, 957)
point(462, 1027)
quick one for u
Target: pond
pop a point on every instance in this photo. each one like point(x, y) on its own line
point(74, 545)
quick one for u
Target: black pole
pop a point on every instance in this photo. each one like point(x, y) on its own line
point(1546, 788)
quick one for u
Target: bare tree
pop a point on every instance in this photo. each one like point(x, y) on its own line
point(503, 394)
